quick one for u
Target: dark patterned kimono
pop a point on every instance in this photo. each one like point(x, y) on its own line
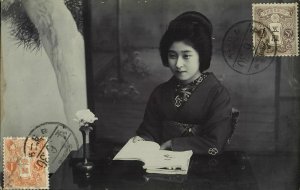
point(194, 117)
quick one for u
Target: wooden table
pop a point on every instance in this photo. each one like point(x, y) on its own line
point(231, 171)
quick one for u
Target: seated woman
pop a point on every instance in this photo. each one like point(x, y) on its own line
point(191, 111)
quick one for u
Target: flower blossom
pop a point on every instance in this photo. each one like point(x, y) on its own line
point(85, 117)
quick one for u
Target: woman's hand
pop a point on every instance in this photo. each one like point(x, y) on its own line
point(166, 145)
point(137, 138)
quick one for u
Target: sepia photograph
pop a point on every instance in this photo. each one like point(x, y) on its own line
point(150, 94)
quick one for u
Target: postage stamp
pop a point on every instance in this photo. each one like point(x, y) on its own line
point(282, 19)
point(25, 171)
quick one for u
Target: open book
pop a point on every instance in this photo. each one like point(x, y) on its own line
point(155, 160)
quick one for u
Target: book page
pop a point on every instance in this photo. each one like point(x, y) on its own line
point(167, 171)
point(155, 160)
point(169, 160)
point(139, 150)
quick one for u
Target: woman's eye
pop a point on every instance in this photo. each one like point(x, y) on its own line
point(187, 56)
point(172, 56)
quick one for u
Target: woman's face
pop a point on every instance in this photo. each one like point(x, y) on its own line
point(184, 61)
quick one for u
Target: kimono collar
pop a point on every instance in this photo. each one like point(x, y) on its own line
point(184, 91)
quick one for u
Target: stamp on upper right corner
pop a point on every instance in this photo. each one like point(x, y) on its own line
point(282, 20)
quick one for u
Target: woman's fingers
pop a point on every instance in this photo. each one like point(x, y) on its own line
point(137, 138)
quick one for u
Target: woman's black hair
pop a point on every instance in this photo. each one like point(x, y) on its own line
point(194, 29)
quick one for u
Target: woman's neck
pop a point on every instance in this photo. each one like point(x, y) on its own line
point(197, 75)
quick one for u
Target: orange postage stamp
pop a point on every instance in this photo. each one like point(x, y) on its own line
point(282, 20)
point(25, 163)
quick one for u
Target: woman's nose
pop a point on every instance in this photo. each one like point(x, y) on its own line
point(179, 63)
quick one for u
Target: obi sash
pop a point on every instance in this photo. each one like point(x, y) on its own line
point(172, 129)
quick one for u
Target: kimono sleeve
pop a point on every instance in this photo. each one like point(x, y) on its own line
point(150, 127)
point(217, 128)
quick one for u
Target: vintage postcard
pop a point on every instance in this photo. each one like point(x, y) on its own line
point(25, 163)
point(61, 56)
point(275, 29)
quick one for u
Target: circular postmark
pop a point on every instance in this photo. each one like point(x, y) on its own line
point(247, 54)
point(60, 141)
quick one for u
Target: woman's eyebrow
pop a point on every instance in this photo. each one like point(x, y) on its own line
point(183, 51)
point(186, 51)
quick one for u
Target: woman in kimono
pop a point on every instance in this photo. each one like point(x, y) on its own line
point(192, 110)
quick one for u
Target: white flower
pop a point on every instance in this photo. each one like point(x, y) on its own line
point(85, 116)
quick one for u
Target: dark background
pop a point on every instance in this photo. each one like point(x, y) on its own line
point(120, 86)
